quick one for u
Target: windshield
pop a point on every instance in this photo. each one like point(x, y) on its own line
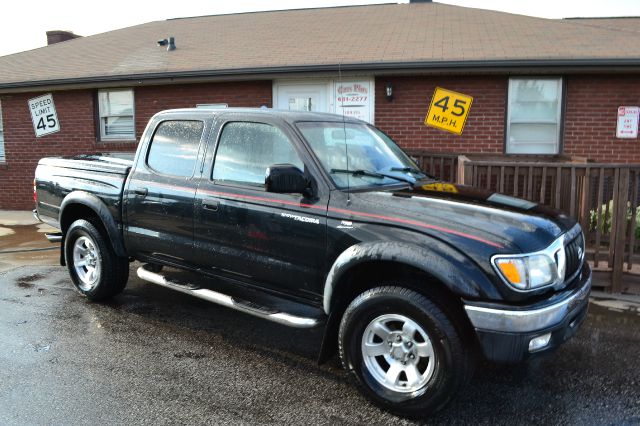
point(374, 159)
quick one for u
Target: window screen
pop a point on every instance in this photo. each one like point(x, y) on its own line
point(246, 150)
point(174, 147)
point(534, 116)
point(116, 114)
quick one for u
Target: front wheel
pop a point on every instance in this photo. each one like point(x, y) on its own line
point(95, 269)
point(403, 351)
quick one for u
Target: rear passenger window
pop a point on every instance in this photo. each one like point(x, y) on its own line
point(174, 147)
point(246, 150)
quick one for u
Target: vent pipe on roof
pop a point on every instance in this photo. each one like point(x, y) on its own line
point(57, 36)
point(169, 42)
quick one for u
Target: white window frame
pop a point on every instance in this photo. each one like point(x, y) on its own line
point(558, 120)
point(101, 116)
point(3, 157)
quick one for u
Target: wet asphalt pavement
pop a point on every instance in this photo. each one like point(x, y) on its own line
point(153, 356)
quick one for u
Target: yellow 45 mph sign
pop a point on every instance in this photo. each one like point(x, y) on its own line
point(448, 110)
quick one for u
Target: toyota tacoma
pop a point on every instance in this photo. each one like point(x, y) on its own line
point(318, 220)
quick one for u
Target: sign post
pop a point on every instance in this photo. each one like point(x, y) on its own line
point(448, 110)
point(43, 115)
point(627, 122)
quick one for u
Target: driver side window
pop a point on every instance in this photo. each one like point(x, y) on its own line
point(246, 150)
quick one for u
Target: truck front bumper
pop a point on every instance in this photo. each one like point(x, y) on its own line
point(512, 334)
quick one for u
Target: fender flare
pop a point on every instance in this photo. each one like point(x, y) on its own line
point(449, 266)
point(102, 211)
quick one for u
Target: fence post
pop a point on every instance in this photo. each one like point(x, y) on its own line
point(620, 214)
point(462, 169)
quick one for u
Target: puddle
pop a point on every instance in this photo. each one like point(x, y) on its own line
point(23, 236)
point(27, 282)
point(617, 305)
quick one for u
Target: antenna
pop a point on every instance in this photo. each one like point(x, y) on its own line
point(344, 130)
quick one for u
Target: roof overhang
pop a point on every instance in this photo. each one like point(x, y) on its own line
point(495, 67)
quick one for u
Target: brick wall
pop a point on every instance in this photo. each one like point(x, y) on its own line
point(77, 129)
point(589, 122)
point(403, 118)
point(149, 100)
point(591, 115)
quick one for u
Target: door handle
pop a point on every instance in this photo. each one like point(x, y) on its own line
point(141, 191)
point(210, 204)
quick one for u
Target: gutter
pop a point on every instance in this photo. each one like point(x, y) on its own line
point(525, 66)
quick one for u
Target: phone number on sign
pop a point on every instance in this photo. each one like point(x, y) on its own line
point(352, 98)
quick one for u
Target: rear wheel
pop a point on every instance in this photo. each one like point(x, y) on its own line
point(95, 269)
point(402, 350)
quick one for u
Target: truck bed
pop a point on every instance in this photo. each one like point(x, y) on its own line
point(101, 175)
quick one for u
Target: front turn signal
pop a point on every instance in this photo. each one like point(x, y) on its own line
point(513, 270)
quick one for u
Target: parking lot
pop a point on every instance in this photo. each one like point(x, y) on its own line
point(154, 356)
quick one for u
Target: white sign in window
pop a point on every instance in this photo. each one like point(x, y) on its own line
point(116, 114)
point(354, 99)
point(533, 116)
point(43, 115)
point(627, 122)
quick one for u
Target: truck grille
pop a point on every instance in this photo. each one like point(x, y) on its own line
point(574, 254)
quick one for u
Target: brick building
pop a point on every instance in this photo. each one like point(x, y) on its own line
point(539, 86)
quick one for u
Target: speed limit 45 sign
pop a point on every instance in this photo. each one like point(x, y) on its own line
point(448, 110)
point(43, 115)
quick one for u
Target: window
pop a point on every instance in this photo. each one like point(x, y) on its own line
point(246, 150)
point(2, 158)
point(174, 147)
point(116, 114)
point(534, 116)
point(368, 150)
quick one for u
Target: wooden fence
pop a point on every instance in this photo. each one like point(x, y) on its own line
point(602, 197)
point(444, 166)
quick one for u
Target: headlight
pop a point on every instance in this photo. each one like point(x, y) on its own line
point(527, 272)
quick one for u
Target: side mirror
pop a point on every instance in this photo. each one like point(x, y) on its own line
point(286, 179)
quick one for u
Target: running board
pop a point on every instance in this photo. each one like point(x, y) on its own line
point(230, 302)
point(53, 237)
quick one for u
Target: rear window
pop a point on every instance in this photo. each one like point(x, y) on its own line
point(174, 147)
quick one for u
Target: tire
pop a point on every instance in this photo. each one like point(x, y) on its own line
point(395, 325)
point(95, 269)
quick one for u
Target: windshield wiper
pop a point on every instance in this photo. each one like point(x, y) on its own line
point(411, 170)
point(362, 172)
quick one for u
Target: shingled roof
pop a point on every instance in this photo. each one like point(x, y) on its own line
point(376, 37)
point(625, 23)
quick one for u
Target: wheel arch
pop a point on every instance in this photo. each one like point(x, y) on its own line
point(83, 205)
point(439, 272)
point(444, 265)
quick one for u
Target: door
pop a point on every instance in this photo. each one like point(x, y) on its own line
point(302, 96)
point(272, 240)
point(160, 193)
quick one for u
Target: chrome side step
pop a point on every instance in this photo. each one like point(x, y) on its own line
point(230, 302)
point(54, 237)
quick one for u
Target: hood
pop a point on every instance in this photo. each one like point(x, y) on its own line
point(509, 224)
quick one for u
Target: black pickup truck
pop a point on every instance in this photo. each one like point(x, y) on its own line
point(317, 220)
